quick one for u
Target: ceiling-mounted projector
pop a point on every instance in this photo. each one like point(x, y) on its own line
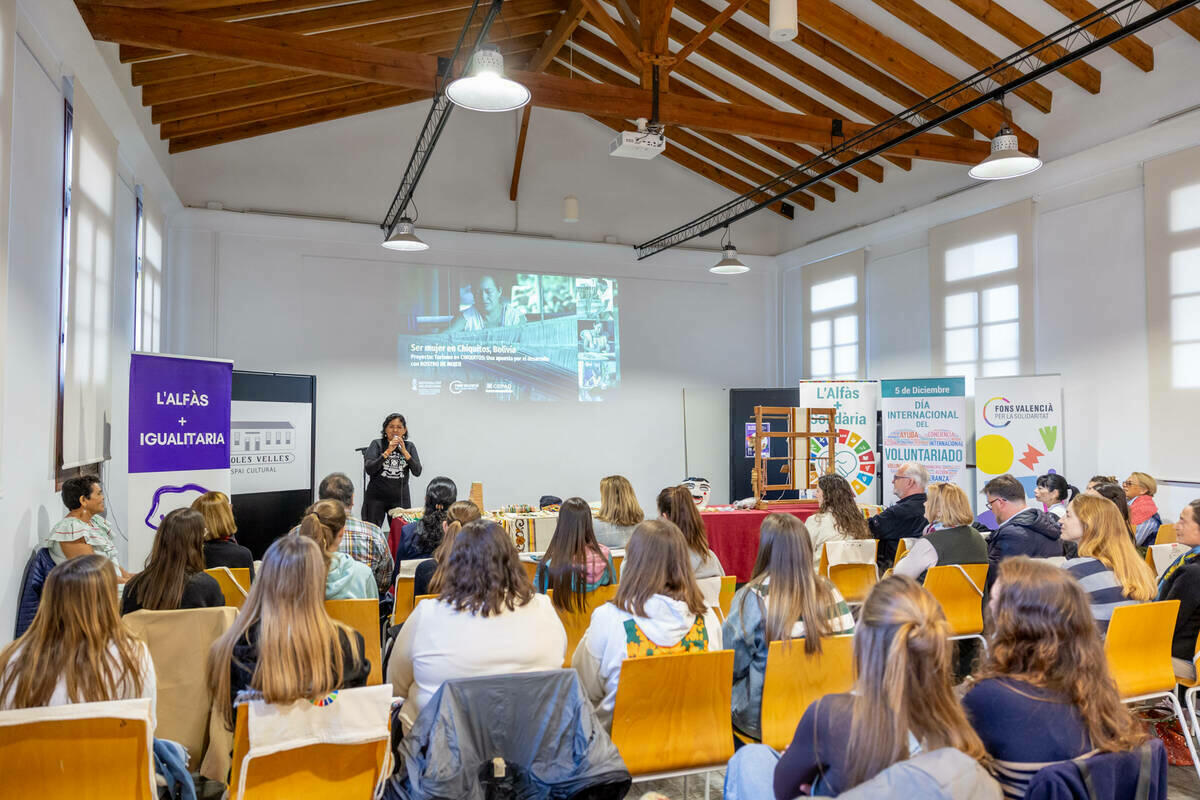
point(646, 142)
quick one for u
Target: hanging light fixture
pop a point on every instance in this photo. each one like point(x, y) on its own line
point(570, 208)
point(1006, 160)
point(782, 21)
point(404, 237)
point(485, 88)
point(729, 263)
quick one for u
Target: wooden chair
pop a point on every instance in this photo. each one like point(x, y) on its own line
point(313, 772)
point(902, 550)
point(728, 587)
point(1193, 689)
point(617, 562)
point(1138, 650)
point(234, 582)
point(530, 568)
point(575, 623)
point(1166, 534)
point(362, 616)
point(959, 588)
point(795, 679)
point(404, 601)
point(671, 714)
point(83, 751)
point(1161, 556)
point(421, 597)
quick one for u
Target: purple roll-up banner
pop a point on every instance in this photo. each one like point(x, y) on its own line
point(179, 422)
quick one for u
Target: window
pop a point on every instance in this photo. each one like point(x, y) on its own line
point(147, 307)
point(982, 279)
point(832, 303)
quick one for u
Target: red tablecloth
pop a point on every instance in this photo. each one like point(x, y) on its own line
point(733, 535)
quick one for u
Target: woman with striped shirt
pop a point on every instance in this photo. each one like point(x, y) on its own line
point(1045, 693)
point(1108, 567)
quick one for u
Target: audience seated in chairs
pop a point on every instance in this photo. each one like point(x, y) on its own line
point(1044, 693)
point(658, 610)
point(574, 563)
point(174, 576)
point(676, 505)
point(1116, 494)
point(839, 517)
point(1022, 531)
point(284, 645)
point(345, 579)
point(1108, 568)
point(903, 699)
point(430, 573)
point(220, 547)
point(1181, 582)
point(1054, 493)
point(486, 620)
point(419, 538)
point(619, 512)
point(84, 530)
point(77, 650)
point(949, 539)
point(1143, 511)
point(904, 519)
point(784, 600)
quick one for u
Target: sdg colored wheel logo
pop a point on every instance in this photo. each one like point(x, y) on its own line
point(855, 460)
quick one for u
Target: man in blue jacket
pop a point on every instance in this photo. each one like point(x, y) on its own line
point(1023, 531)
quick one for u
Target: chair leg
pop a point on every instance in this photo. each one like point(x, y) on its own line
point(1189, 697)
point(1187, 734)
point(685, 777)
point(707, 775)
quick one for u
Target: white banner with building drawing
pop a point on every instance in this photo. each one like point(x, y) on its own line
point(270, 446)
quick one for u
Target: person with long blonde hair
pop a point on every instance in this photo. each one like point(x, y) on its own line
point(619, 512)
point(221, 548)
point(345, 579)
point(950, 537)
point(283, 644)
point(77, 650)
point(1108, 568)
point(1045, 693)
point(902, 702)
point(785, 599)
point(431, 573)
point(675, 504)
point(838, 517)
point(658, 610)
point(174, 576)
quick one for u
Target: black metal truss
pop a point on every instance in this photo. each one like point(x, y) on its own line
point(1028, 64)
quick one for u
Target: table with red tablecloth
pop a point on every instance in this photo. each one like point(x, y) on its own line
point(733, 535)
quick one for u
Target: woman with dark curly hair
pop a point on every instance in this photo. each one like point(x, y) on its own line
point(419, 538)
point(389, 460)
point(838, 517)
point(487, 620)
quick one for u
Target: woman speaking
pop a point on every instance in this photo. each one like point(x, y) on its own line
point(389, 460)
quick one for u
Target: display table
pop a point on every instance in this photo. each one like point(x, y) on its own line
point(733, 534)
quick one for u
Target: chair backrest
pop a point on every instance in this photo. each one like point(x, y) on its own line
point(311, 771)
point(363, 616)
point(575, 623)
point(1166, 534)
point(848, 551)
point(854, 581)
point(97, 751)
point(960, 594)
point(235, 593)
point(794, 679)
point(530, 568)
point(672, 712)
point(728, 587)
point(179, 642)
point(617, 562)
point(404, 602)
point(902, 549)
point(1161, 556)
point(1138, 647)
point(421, 597)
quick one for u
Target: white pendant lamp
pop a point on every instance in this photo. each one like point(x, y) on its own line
point(729, 263)
point(570, 208)
point(404, 238)
point(485, 88)
point(1005, 161)
point(782, 21)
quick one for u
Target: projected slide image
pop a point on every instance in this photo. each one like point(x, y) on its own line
point(509, 335)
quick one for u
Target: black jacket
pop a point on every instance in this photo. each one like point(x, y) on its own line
point(1031, 532)
point(389, 477)
point(903, 520)
point(228, 553)
point(1185, 587)
point(200, 591)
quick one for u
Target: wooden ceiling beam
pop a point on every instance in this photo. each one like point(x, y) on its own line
point(888, 54)
point(959, 44)
point(629, 19)
point(655, 14)
point(526, 16)
point(240, 98)
point(602, 49)
point(702, 36)
point(616, 32)
point(1022, 34)
point(1187, 20)
point(316, 20)
point(415, 71)
point(1134, 50)
point(824, 83)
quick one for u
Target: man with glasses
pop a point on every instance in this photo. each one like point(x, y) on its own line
point(1023, 531)
point(905, 519)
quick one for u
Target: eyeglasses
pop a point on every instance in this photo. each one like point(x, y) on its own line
point(1127, 484)
point(993, 500)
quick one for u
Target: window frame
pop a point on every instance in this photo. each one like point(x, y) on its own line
point(851, 264)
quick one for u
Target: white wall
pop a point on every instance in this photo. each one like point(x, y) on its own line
point(301, 296)
point(1090, 315)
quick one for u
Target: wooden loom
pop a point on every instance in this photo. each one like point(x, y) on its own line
point(794, 436)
